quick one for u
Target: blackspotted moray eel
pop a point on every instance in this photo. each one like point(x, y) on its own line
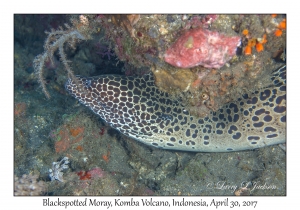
point(138, 109)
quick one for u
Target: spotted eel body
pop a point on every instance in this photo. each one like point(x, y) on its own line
point(138, 109)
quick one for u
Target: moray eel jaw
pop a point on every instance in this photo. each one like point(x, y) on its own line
point(138, 109)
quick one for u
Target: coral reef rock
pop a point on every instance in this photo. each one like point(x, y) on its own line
point(180, 81)
point(202, 47)
point(28, 185)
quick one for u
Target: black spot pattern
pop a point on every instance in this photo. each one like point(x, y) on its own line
point(272, 135)
point(279, 109)
point(137, 108)
point(237, 136)
point(259, 124)
point(268, 118)
point(265, 94)
point(252, 101)
point(219, 132)
point(270, 129)
point(253, 138)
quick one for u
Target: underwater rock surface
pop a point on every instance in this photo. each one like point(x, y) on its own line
point(202, 47)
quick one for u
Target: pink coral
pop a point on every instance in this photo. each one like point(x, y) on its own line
point(97, 173)
point(202, 47)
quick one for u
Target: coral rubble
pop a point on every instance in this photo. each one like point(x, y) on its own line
point(28, 185)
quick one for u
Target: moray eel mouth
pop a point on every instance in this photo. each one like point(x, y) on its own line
point(138, 109)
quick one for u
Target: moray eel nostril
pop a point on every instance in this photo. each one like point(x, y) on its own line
point(138, 109)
